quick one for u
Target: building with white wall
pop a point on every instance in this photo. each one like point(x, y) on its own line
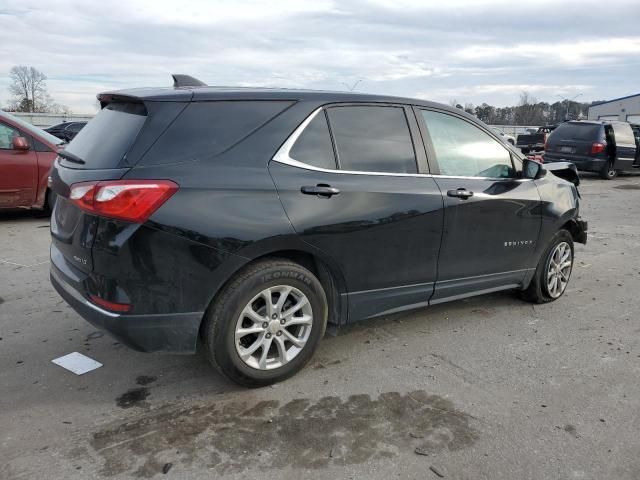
point(624, 108)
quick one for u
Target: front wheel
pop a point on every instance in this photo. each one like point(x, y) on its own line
point(266, 323)
point(553, 271)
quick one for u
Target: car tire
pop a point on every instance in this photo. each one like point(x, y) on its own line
point(542, 289)
point(608, 172)
point(239, 319)
point(50, 201)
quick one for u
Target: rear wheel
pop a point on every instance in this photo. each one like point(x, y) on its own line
point(266, 323)
point(553, 271)
point(608, 172)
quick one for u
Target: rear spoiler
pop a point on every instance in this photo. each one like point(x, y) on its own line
point(107, 98)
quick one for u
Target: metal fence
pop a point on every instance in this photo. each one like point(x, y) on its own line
point(44, 120)
point(514, 130)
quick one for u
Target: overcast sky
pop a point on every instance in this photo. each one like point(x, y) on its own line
point(472, 51)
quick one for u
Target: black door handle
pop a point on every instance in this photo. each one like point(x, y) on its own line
point(460, 193)
point(320, 190)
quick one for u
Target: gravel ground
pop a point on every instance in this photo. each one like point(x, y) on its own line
point(488, 387)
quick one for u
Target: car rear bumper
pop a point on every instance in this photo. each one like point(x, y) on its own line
point(175, 333)
point(533, 146)
point(585, 164)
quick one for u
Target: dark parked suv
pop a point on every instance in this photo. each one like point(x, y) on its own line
point(251, 218)
point(605, 147)
point(66, 130)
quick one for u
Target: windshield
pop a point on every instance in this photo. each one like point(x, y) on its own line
point(38, 132)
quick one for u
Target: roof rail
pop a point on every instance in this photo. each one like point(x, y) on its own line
point(180, 80)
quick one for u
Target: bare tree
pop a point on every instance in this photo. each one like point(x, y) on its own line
point(29, 90)
point(527, 110)
point(470, 108)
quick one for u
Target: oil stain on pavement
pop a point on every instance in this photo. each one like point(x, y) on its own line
point(228, 436)
point(133, 398)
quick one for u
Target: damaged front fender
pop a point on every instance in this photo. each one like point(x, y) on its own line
point(565, 170)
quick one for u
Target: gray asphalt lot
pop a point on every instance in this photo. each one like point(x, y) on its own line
point(489, 387)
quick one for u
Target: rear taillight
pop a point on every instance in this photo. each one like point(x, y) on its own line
point(597, 147)
point(129, 200)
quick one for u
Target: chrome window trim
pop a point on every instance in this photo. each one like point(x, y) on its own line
point(283, 156)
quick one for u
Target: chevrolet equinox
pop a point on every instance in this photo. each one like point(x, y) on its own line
point(248, 220)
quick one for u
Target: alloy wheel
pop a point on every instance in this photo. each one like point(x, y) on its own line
point(273, 327)
point(559, 269)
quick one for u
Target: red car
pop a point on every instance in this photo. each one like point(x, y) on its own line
point(26, 156)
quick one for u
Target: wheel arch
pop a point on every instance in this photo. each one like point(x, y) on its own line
point(327, 272)
point(578, 233)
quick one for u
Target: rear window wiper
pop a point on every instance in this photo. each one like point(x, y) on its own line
point(71, 157)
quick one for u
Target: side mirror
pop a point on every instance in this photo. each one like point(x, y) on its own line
point(532, 169)
point(20, 143)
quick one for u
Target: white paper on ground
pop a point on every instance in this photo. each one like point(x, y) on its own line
point(77, 363)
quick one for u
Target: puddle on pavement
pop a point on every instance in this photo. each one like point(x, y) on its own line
point(628, 186)
point(303, 433)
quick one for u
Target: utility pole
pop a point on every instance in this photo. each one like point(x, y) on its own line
point(567, 100)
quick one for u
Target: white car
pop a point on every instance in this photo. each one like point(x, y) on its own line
point(508, 138)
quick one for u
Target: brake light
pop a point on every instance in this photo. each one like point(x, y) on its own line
point(114, 307)
point(597, 147)
point(129, 200)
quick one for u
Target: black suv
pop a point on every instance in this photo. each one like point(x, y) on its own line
point(605, 147)
point(66, 130)
point(251, 218)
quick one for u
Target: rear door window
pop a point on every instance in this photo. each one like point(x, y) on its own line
point(105, 140)
point(372, 139)
point(462, 149)
point(314, 146)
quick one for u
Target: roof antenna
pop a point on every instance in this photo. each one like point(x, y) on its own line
point(180, 80)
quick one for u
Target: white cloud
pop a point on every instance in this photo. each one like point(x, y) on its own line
point(471, 50)
point(601, 50)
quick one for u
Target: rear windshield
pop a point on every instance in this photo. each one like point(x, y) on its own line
point(105, 140)
point(578, 131)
